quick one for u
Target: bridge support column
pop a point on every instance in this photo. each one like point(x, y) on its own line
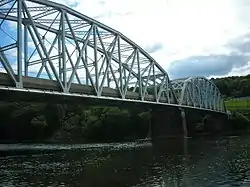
point(165, 123)
point(184, 123)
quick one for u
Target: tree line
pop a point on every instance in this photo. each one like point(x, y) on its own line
point(233, 87)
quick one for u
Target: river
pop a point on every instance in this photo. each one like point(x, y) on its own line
point(197, 162)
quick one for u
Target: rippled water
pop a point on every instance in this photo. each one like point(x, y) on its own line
point(222, 161)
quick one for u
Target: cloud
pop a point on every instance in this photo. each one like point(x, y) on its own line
point(234, 60)
point(212, 65)
point(153, 48)
point(190, 32)
point(240, 44)
point(184, 37)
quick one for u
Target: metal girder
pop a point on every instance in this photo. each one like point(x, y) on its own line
point(198, 92)
point(57, 43)
point(31, 9)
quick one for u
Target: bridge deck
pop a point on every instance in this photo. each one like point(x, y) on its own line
point(51, 85)
point(44, 90)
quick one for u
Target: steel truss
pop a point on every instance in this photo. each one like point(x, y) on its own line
point(198, 92)
point(51, 41)
point(55, 42)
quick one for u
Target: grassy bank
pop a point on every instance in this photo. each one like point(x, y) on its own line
point(238, 104)
point(240, 113)
point(241, 106)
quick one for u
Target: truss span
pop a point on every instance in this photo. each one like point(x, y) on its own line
point(50, 47)
point(198, 92)
point(51, 41)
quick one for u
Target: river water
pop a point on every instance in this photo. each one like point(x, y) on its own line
point(204, 161)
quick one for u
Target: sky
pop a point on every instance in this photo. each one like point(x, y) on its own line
point(187, 38)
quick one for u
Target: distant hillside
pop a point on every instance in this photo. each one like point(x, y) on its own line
point(237, 86)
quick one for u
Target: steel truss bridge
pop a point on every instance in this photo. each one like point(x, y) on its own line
point(49, 48)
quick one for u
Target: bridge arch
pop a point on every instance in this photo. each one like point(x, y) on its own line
point(57, 43)
point(198, 92)
point(77, 54)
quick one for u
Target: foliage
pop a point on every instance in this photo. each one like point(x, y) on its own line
point(234, 87)
point(238, 104)
point(239, 121)
point(70, 123)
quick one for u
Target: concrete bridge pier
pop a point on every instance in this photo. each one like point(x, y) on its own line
point(184, 123)
point(166, 123)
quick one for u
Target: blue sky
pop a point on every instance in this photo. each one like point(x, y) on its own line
point(187, 38)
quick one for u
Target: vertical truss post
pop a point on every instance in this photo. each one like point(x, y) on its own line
point(139, 74)
point(124, 80)
point(108, 77)
point(217, 106)
point(19, 83)
point(120, 67)
point(221, 101)
point(215, 100)
point(26, 65)
point(86, 60)
point(200, 98)
point(155, 88)
point(96, 61)
point(59, 53)
point(193, 93)
point(63, 52)
point(206, 85)
point(211, 96)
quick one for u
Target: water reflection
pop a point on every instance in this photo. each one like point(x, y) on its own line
point(180, 162)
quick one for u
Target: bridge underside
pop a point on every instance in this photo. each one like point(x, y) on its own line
point(165, 122)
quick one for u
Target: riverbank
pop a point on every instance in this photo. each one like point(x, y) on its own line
point(240, 113)
point(43, 122)
point(59, 123)
point(79, 123)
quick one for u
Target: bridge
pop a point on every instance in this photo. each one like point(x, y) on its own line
point(50, 49)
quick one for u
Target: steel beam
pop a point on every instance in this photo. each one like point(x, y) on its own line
point(19, 45)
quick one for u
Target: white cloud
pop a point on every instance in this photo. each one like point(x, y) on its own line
point(182, 28)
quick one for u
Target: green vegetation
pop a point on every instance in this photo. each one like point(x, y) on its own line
point(239, 120)
point(70, 123)
point(236, 90)
point(240, 112)
point(238, 104)
point(234, 87)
